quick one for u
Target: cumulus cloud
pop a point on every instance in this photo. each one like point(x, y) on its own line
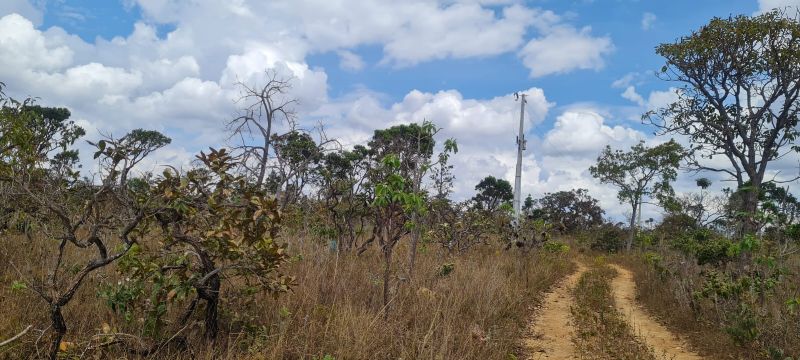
point(583, 132)
point(23, 7)
point(564, 48)
point(24, 47)
point(183, 82)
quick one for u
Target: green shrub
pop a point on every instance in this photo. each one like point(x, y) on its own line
point(608, 237)
point(555, 247)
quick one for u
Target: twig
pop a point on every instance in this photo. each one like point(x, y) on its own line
point(16, 337)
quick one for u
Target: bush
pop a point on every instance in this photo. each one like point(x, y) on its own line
point(706, 247)
point(555, 247)
point(608, 237)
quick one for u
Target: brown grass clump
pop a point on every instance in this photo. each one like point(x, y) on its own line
point(470, 306)
point(601, 330)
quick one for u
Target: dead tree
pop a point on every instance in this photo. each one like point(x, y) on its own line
point(253, 127)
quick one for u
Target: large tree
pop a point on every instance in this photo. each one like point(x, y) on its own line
point(740, 81)
point(641, 173)
point(572, 210)
point(492, 192)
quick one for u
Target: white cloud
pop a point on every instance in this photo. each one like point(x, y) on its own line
point(350, 61)
point(648, 19)
point(767, 5)
point(631, 94)
point(661, 98)
point(182, 83)
point(583, 132)
point(458, 31)
point(24, 47)
point(24, 8)
point(564, 49)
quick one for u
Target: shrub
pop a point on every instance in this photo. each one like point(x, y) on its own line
point(608, 237)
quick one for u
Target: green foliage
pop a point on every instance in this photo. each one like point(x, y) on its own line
point(445, 269)
point(643, 172)
point(230, 229)
point(711, 248)
point(754, 55)
point(493, 193)
point(607, 237)
point(743, 326)
point(17, 285)
point(393, 191)
point(555, 247)
point(571, 211)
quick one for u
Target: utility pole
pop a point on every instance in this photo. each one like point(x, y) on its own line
point(521, 143)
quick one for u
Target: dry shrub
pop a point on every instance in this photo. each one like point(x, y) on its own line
point(470, 306)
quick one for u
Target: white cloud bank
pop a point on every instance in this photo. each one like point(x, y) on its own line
point(183, 83)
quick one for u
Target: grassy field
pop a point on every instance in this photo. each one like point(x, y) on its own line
point(452, 307)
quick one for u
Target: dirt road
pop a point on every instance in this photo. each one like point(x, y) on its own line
point(551, 331)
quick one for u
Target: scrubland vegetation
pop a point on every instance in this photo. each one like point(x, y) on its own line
point(286, 245)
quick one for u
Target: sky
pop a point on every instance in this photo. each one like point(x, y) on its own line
point(587, 67)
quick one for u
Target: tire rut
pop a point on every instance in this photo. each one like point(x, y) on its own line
point(552, 331)
point(664, 342)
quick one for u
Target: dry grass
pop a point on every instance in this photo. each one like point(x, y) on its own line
point(601, 331)
point(478, 311)
point(674, 301)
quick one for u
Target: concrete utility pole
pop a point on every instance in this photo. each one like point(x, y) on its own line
point(521, 142)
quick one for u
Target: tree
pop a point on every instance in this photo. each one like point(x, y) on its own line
point(297, 155)
point(643, 172)
point(228, 225)
point(343, 181)
point(413, 145)
point(740, 81)
point(492, 192)
point(38, 168)
point(573, 210)
point(393, 207)
point(87, 217)
point(264, 105)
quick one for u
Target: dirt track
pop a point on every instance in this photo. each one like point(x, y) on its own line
point(552, 330)
point(656, 335)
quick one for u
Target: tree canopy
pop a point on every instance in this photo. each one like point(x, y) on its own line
point(739, 85)
point(643, 172)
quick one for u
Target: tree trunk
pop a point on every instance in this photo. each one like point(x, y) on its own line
point(387, 268)
point(632, 232)
point(415, 234)
point(210, 293)
point(60, 328)
point(750, 207)
point(412, 252)
point(263, 170)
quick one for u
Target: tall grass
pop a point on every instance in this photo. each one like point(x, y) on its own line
point(470, 306)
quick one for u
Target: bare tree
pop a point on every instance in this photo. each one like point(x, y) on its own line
point(262, 107)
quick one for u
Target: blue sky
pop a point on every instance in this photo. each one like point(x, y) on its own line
point(360, 65)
